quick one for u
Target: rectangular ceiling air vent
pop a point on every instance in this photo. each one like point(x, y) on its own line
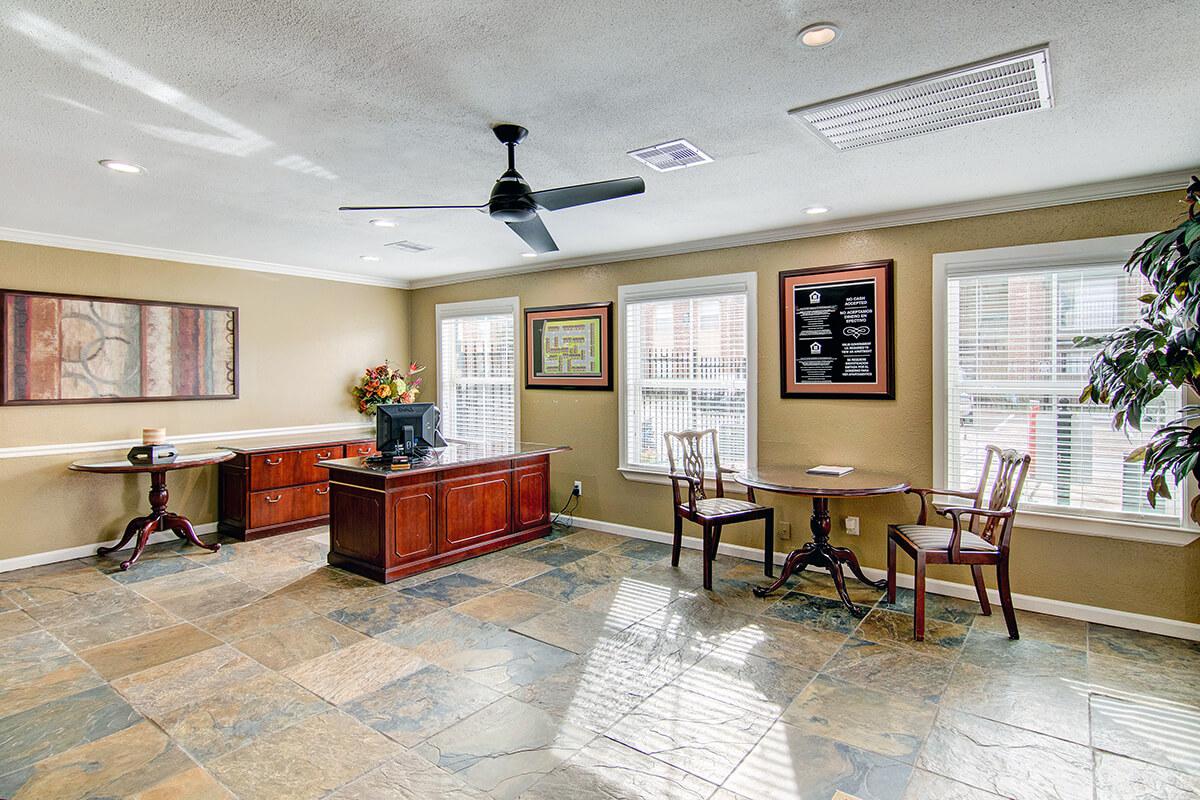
point(671, 155)
point(1000, 87)
point(409, 247)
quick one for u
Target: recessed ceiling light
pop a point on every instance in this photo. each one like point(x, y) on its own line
point(816, 210)
point(384, 223)
point(369, 258)
point(529, 255)
point(818, 35)
point(121, 166)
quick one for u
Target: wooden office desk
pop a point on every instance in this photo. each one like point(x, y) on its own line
point(463, 501)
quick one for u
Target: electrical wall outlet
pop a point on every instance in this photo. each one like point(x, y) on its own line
point(578, 490)
point(783, 530)
point(851, 526)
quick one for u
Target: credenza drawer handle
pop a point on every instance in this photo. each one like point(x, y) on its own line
point(274, 463)
point(275, 499)
point(323, 456)
point(323, 491)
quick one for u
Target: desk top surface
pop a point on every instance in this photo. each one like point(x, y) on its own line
point(456, 454)
point(297, 441)
point(188, 457)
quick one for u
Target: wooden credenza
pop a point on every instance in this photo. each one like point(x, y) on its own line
point(468, 500)
point(273, 486)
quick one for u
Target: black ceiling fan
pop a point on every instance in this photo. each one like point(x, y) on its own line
point(516, 205)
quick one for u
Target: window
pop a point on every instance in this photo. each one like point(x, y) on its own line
point(1011, 376)
point(477, 369)
point(687, 363)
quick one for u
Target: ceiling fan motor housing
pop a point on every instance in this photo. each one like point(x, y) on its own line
point(510, 200)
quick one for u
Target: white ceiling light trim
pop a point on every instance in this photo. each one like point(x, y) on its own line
point(185, 257)
point(1000, 87)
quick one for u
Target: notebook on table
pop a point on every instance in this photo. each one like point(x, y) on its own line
point(827, 469)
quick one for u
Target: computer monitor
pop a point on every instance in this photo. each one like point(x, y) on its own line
point(408, 429)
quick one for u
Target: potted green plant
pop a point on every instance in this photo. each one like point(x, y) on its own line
point(1137, 363)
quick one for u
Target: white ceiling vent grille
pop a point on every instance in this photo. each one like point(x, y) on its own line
point(671, 155)
point(409, 247)
point(999, 87)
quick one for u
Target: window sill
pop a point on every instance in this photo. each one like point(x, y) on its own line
point(732, 487)
point(1148, 532)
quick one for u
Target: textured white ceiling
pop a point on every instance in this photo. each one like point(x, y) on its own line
point(255, 120)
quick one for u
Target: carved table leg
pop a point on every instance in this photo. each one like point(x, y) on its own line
point(795, 563)
point(158, 519)
point(130, 531)
point(846, 556)
point(184, 530)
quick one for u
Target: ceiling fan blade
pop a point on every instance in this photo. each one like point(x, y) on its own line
point(400, 208)
point(584, 193)
point(534, 232)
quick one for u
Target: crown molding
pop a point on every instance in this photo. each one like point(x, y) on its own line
point(186, 257)
point(1106, 190)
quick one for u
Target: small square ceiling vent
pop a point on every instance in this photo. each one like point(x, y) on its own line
point(999, 87)
point(671, 155)
point(409, 247)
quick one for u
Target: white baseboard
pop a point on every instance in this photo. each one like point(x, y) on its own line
point(1026, 602)
point(84, 550)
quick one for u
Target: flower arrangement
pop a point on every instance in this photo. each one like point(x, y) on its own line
point(383, 384)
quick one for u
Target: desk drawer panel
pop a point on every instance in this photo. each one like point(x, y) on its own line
point(474, 508)
point(311, 500)
point(273, 470)
point(307, 470)
point(272, 507)
point(359, 449)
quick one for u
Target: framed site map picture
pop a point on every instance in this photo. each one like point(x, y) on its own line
point(569, 347)
point(58, 348)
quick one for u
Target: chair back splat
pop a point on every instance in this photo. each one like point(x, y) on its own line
point(1010, 470)
point(686, 454)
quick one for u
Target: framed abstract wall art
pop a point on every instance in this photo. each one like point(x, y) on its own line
point(835, 330)
point(58, 348)
point(569, 347)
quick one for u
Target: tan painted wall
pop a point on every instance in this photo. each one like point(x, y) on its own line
point(893, 436)
point(302, 342)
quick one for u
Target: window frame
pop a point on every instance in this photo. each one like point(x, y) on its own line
point(479, 308)
point(741, 282)
point(1074, 253)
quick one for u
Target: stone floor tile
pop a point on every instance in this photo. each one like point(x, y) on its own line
point(35, 668)
point(942, 607)
point(1023, 656)
point(506, 569)
point(218, 723)
point(942, 639)
point(1163, 651)
point(46, 730)
point(882, 723)
point(134, 621)
point(150, 569)
point(1050, 704)
point(699, 734)
point(585, 539)
point(756, 684)
point(450, 590)
point(504, 748)
point(287, 645)
point(568, 627)
point(610, 770)
point(819, 582)
point(306, 761)
point(1120, 778)
point(698, 618)
point(121, 764)
point(193, 784)
point(416, 706)
point(786, 642)
point(1037, 627)
point(890, 669)
point(1162, 733)
point(408, 777)
point(577, 578)
point(160, 689)
point(1007, 761)
point(506, 607)
point(257, 617)
point(351, 672)
point(325, 589)
point(788, 763)
point(817, 612)
point(86, 606)
point(137, 653)
point(382, 613)
point(1120, 677)
point(628, 600)
point(15, 623)
point(554, 554)
point(641, 550)
point(930, 786)
point(51, 582)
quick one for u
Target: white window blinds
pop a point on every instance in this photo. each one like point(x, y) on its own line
point(477, 372)
point(686, 368)
point(1013, 378)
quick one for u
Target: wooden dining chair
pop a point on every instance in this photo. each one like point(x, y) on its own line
point(984, 540)
point(686, 453)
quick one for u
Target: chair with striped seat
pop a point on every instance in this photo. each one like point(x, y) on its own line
point(686, 451)
point(984, 540)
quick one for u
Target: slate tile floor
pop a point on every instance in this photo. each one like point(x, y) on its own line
point(582, 667)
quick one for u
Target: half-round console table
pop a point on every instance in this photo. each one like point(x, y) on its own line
point(818, 552)
point(159, 517)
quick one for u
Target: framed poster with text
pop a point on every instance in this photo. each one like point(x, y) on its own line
point(569, 347)
point(835, 329)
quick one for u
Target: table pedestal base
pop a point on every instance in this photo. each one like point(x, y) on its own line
point(159, 519)
point(820, 553)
